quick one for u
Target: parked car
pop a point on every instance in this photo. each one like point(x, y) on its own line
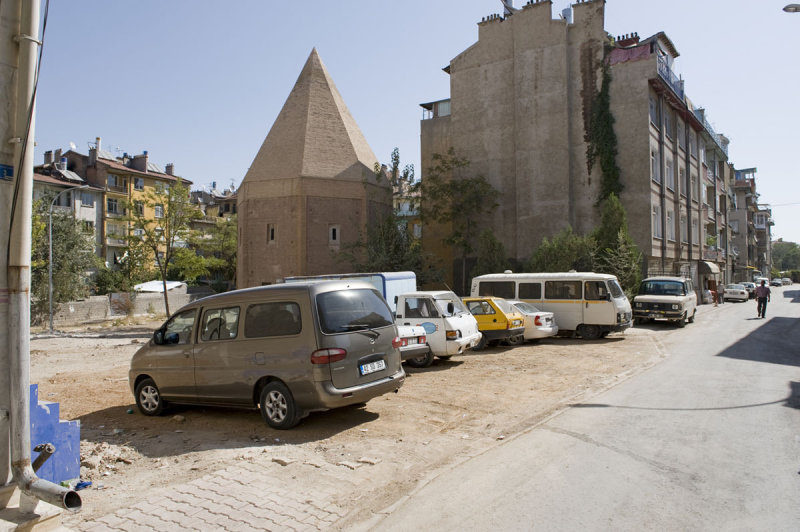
point(288, 349)
point(665, 298)
point(786, 281)
point(751, 289)
point(776, 282)
point(538, 324)
point(735, 292)
point(497, 320)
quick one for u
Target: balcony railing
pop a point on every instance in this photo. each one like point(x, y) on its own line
point(711, 133)
point(114, 240)
point(117, 188)
point(670, 77)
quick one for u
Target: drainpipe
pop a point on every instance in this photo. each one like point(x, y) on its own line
point(19, 274)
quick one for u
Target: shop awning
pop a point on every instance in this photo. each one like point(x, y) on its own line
point(708, 268)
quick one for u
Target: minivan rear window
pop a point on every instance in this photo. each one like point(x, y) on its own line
point(352, 310)
point(503, 289)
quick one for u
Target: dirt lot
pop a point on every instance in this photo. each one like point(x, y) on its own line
point(444, 413)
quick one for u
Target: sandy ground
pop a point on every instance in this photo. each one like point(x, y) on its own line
point(443, 414)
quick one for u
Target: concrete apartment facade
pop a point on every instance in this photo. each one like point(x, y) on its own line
point(520, 111)
point(310, 190)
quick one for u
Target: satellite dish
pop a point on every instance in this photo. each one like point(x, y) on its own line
point(72, 145)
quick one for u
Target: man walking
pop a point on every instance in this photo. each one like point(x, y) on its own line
point(762, 296)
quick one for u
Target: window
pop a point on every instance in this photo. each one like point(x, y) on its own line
point(669, 124)
point(480, 308)
point(419, 307)
point(87, 226)
point(334, 235)
point(670, 175)
point(343, 311)
point(138, 183)
point(693, 144)
point(595, 291)
point(657, 229)
point(86, 199)
point(683, 183)
point(115, 182)
point(681, 135)
point(655, 171)
point(159, 211)
point(530, 290)
point(272, 319)
point(684, 229)
point(138, 208)
point(562, 289)
point(670, 225)
point(654, 118)
point(734, 226)
point(112, 206)
point(270, 233)
point(220, 324)
point(693, 188)
point(178, 329)
point(695, 234)
point(138, 232)
point(497, 289)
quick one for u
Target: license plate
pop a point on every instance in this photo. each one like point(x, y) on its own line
point(412, 341)
point(372, 367)
point(654, 316)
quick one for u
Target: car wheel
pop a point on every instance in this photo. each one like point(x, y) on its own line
point(681, 323)
point(278, 407)
point(691, 318)
point(516, 340)
point(148, 398)
point(421, 361)
point(589, 332)
point(482, 344)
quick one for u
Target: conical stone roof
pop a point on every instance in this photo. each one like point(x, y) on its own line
point(314, 135)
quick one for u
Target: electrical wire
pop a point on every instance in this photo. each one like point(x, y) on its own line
point(27, 130)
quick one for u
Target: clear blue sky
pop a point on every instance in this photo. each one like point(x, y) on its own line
point(199, 83)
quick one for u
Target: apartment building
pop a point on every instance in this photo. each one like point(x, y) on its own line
point(520, 110)
point(125, 181)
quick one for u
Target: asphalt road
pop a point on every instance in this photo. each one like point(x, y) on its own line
point(709, 439)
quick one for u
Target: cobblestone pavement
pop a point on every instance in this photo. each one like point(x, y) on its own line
point(249, 496)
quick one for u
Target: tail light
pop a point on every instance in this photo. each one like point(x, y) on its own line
point(398, 342)
point(537, 321)
point(421, 339)
point(326, 356)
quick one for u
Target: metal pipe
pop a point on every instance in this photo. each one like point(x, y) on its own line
point(45, 450)
point(50, 248)
point(19, 275)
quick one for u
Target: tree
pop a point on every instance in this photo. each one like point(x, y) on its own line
point(616, 254)
point(389, 244)
point(217, 248)
point(166, 232)
point(567, 251)
point(491, 255)
point(457, 203)
point(786, 255)
point(73, 258)
point(601, 138)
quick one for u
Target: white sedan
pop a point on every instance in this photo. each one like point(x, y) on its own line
point(538, 324)
point(736, 292)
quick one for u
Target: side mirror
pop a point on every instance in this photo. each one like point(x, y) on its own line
point(158, 337)
point(450, 307)
point(395, 300)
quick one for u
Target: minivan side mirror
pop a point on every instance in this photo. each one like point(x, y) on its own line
point(158, 337)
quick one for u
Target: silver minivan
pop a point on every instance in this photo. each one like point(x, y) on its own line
point(287, 349)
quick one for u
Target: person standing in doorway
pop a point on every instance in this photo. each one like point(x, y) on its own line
point(762, 296)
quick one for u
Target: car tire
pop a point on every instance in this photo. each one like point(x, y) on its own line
point(148, 398)
point(421, 361)
point(516, 340)
point(589, 332)
point(482, 344)
point(681, 323)
point(691, 318)
point(278, 407)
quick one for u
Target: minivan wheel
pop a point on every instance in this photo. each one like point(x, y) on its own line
point(148, 398)
point(516, 340)
point(589, 332)
point(278, 407)
point(422, 361)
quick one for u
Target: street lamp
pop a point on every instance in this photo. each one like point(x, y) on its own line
point(50, 248)
point(792, 8)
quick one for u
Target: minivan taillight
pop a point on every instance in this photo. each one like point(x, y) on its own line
point(326, 356)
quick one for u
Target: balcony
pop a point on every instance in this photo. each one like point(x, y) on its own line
point(119, 189)
point(714, 254)
point(115, 240)
point(666, 73)
point(701, 115)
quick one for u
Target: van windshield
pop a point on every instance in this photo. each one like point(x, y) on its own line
point(458, 306)
point(352, 310)
point(615, 289)
point(661, 288)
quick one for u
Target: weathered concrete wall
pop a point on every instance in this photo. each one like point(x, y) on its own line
point(113, 306)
